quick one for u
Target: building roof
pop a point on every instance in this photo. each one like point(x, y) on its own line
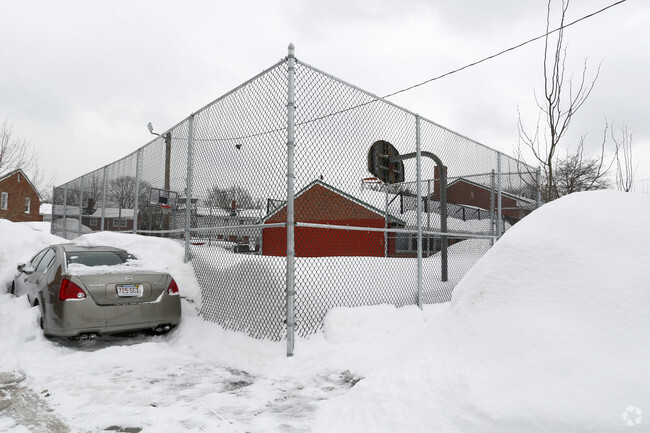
point(20, 171)
point(348, 196)
point(479, 185)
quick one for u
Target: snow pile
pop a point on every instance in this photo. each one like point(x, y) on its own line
point(153, 254)
point(131, 266)
point(19, 243)
point(547, 332)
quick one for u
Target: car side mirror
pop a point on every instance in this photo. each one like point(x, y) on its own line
point(20, 267)
point(26, 269)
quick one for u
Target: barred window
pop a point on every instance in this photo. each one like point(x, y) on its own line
point(28, 205)
point(4, 200)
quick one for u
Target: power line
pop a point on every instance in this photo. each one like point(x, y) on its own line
point(506, 50)
point(466, 66)
point(376, 99)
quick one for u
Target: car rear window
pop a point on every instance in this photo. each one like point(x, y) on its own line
point(98, 258)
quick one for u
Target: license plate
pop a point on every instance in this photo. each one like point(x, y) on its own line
point(129, 290)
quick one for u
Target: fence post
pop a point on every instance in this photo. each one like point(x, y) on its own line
point(418, 171)
point(188, 186)
point(65, 211)
point(499, 217)
point(539, 186)
point(428, 210)
point(104, 198)
point(493, 221)
point(290, 209)
point(81, 204)
point(136, 193)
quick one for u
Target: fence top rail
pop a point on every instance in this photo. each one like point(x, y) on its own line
point(375, 98)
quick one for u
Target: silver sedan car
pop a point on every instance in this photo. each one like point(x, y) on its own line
point(85, 291)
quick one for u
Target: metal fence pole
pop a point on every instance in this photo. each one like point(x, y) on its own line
point(81, 204)
point(104, 198)
point(499, 216)
point(136, 193)
point(418, 171)
point(539, 186)
point(65, 211)
point(428, 210)
point(188, 188)
point(492, 215)
point(290, 209)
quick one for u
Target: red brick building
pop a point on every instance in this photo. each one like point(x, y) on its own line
point(320, 203)
point(462, 191)
point(19, 200)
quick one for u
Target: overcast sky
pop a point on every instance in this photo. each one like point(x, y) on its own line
point(80, 79)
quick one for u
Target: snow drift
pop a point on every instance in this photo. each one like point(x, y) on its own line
point(547, 332)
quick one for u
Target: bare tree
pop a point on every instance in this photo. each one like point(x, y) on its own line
point(563, 97)
point(16, 153)
point(625, 168)
point(121, 191)
point(223, 198)
point(577, 172)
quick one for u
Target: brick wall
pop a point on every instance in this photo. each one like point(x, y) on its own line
point(18, 187)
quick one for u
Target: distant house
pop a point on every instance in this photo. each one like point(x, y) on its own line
point(326, 206)
point(19, 200)
point(45, 212)
point(471, 200)
point(320, 203)
point(116, 220)
point(225, 223)
point(91, 218)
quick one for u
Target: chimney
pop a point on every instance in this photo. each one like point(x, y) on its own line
point(233, 208)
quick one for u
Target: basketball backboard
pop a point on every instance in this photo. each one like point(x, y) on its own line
point(379, 163)
point(159, 197)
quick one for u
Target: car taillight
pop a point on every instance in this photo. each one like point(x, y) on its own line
point(70, 290)
point(173, 288)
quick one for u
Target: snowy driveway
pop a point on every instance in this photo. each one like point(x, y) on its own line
point(173, 383)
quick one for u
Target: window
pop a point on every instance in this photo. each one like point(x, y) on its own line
point(98, 258)
point(37, 258)
point(408, 243)
point(46, 262)
point(119, 223)
point(28, 205)
point(4, 200)
point(93, 222)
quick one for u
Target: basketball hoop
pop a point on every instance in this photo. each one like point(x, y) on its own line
point(371, 183)
point(166, 210)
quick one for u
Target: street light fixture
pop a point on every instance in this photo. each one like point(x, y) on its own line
point(150, 127)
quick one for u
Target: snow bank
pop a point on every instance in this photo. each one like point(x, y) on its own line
point(19, 243)
point(153, 253)
point(548, 332)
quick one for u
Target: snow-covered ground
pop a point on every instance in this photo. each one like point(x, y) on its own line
point(548, 332)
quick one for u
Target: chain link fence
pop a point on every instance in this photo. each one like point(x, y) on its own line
point(269, 190)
